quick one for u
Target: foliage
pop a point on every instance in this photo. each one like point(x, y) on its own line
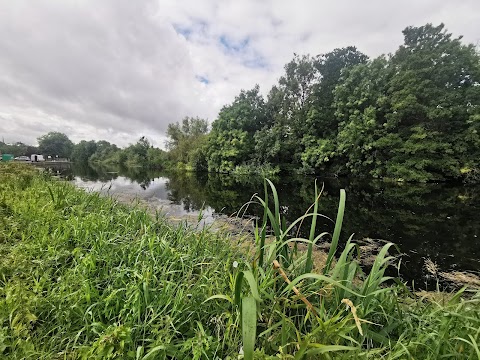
point(140, 154)
point(17, 149)
point(187, 143)
point(83, 151)
point(55, 144)
point(93, 279)
point(411, 116)
point(230, 142)
point(413, 123)
point(101, 280)
point(104, 153)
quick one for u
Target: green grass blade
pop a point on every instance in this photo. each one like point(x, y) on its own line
point(238, 288)
point(220, 297)
point(247, 275)
point(309, 262)
point(151, 354)
point(276, 203)
point(253, 284)
point(264, 226)
point(249, 326)
point(336, 232)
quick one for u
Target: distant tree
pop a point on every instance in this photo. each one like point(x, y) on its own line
point(17, 149)
point(105, 153)
point(189, 128)
point(137, 154)
point(83, 151)
point(55, 144)
point(186, 142)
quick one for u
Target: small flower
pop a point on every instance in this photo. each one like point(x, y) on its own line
point(235, 264)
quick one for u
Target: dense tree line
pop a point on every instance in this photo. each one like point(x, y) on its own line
point(140, 154)
point(17, 149)
point(413, 115)
point(58, 145)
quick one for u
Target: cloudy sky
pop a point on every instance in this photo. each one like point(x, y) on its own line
point(120, 69)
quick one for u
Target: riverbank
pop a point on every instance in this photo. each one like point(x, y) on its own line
point(427, 221)
point(84, 276)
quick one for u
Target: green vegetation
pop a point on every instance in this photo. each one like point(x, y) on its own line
point(17, 149)
point(83, 277)
point(411, 116)
point(186, 144)
point(140, 154)
point(55, 144)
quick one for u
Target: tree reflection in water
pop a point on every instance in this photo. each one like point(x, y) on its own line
point(437, 221)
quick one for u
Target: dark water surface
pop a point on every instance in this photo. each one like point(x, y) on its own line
point(436, 221)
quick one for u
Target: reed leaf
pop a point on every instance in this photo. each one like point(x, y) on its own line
point(249, 326)
point(336, 232)
point(309, 262)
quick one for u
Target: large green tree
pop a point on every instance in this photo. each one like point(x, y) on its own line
point(321, 130)
point(55, 144)
point(187, 141)
point(231, 140)
point(415, 116)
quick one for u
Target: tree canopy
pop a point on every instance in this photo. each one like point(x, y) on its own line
point(55, 144)
point(413, 115)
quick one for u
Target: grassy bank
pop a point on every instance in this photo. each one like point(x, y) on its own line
point(83, 277)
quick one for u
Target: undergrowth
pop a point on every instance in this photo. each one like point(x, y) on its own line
point(84, 277)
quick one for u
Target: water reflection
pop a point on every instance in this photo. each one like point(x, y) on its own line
point(436, 221)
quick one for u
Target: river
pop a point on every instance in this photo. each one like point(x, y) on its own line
point(438, 221)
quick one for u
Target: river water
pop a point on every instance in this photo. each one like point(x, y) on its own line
point(439, 221)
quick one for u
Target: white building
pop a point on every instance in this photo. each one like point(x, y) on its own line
point(37, 158)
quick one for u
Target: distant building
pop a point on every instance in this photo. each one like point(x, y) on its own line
point(37, 158)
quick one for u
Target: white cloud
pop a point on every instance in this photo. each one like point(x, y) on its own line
point(120, 69)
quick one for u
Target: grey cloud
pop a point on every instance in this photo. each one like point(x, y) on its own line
point(119, 69)
point(106, 64)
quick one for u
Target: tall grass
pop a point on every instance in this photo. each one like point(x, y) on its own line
point(340, 311)
point(84, 277)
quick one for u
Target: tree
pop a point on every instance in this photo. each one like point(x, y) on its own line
point(435, 97)
point(227, 149)
point(55, 144)
point(83, 151)
point(319, 138)
point(321, 119)
point(186, 139)
point(289, 103)
point(413, 116)
point(246, 113)
point(106, 153)
point(17, 149)
point(231, 140)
